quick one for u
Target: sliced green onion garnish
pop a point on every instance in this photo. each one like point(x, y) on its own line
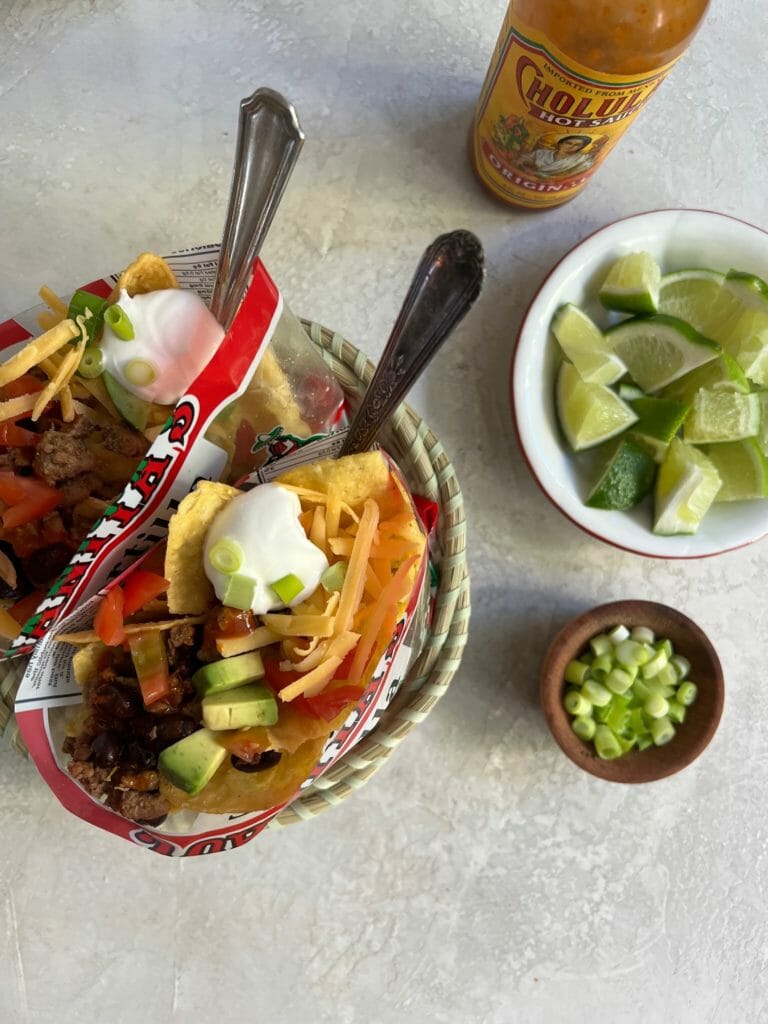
point(89, 306)
point(656, 706)
point(287, 587)
point(596, 693)
point(91, 362)
point(139, 372)
point(662, 731)
point(584, 727)
point(676, 712)
point(681, 665)
point(667, 676)
point(687, 693)
point(333, 580)
point(601, 666)
point(655, 665)
point(576, 704)
point(606, 744)
point(617, 718)
point(666, 646)
point(645, 741)
point(618, 681)
point(618, 634)
point(631, 652)
point(117, 320)
point(239, 592)
point(226, 556)
point(643, 635)
point(601, 644)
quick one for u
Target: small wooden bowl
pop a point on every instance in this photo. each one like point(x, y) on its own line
point(703, 715)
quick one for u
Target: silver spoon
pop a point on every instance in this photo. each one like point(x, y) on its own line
point(447, 281)
point(269, 140)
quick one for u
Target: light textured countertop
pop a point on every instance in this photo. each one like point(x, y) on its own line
point(480, 877)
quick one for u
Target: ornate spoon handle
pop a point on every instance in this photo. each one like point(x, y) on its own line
point(447, 281)
point(269, 140)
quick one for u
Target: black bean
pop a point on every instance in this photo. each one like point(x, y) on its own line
point(265, 760)
point(106, 749)
point(138, 757)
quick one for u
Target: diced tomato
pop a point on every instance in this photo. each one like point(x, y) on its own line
point(25, 385)
point(342, 672)
point(330, 703)
point(28, 498)
point(108, 621)
point(275, 677)
point(14, 436)
point(140, 588)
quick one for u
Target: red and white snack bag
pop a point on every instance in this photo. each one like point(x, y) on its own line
point(264, 393)
point(49, 691)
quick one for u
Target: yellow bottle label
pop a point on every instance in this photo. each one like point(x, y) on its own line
point(545, 123)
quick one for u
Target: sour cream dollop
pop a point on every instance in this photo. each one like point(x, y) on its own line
point(261, 530)
point(175, 335)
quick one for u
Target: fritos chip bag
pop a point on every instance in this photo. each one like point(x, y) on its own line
point(134, 360)
point(242, 658)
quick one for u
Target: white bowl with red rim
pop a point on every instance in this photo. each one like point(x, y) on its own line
point(677, 239)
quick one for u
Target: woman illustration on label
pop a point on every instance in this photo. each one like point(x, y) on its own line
point(562, 160)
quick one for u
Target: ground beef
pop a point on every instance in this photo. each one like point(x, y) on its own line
point(145, 807)
point(79, 488)
point(123, 440)
point(93, 779)
point(61, 457)
point(85, 513)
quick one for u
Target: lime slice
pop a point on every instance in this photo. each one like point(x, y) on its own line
point(762, 433)
point(686, 486)
point(750, 290)
point(632, 284)
point(691, 295)
point(589, 413)
point(585, 346)
point(722, 374)
point(718, 416)
point(627, 478)
point(743, 470)
point(658, 349)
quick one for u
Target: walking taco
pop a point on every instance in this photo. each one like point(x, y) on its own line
point(213, 678)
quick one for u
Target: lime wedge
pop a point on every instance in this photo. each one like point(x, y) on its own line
point(762, 433)
point(632, 284)
point(585, 346)
point(691, 295)
point(659, 420)
point(718, 416)
point(686, 486)
point(722, 374)
point(750, 290)
point(626, 480)
point(658, 349)
point(589, 413)
point(743, 470)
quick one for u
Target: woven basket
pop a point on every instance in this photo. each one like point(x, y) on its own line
point(429, 473)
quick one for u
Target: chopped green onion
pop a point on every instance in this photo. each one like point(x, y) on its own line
point(576, 704)
point(681, 665)
point(606, 744)
point(666, 646)
point(91, 363)
point(140, 372)
point(655, 665)
point(631, 653)
point(662, 731)
point(601, 713)
point(643, 635)
point(644, 741)
point(687, 693)
point(641, 690)
point(601, 644)
point(676, 712)
point(287, 587)
point(239, 592)
point(584, 727)
point(656, 706)
point(667, 676)
point(618, 681)
point(576, 672)
point(226, 556)
point(601, 666)
point(596, 693)
point(618, 718)
point(618, 634)
point(91, 308)
point(117, 320)
point(333, 580)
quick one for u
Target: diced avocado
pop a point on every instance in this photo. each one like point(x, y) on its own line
point(240, 708)
point(228, 673)
point(132, 408)
point(191, 763)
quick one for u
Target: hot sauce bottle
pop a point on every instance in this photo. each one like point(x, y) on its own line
point(566, 80)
